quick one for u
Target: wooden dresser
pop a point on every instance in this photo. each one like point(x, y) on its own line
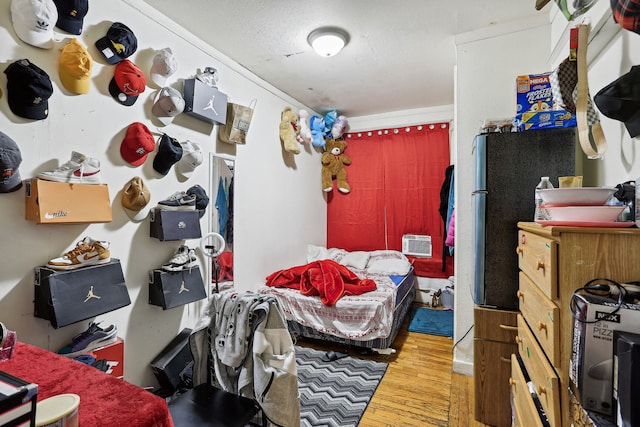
point(553, 262)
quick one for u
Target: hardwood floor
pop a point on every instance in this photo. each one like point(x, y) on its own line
point(419, 387)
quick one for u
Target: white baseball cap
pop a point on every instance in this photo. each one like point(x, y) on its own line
point(33, 21)
point(190, 160)
point(168, 104)
point(164, 66)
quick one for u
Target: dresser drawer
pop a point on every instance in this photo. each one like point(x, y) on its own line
point(495, 325)
point(543, 317)
point(543, 376)
point(524, 409)
point(537, 257)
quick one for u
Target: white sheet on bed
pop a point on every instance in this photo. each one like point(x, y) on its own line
point(359, 317)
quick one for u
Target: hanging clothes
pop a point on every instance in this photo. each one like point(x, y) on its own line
point(229, 234)
point(222, 205)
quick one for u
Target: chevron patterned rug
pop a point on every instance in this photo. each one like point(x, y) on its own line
point(335, 394)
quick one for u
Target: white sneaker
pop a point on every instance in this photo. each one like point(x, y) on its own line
point(87, 252)
point(79, 170)
point(183, 259)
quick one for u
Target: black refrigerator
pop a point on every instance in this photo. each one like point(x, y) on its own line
point(508, 168)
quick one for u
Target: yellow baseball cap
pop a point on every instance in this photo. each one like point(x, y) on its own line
point(74, 67)
point(135, 199)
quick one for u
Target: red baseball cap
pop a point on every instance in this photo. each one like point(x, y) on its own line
point(138, 142)
point(128, 83)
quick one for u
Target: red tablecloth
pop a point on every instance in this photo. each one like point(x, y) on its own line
point(104, 400)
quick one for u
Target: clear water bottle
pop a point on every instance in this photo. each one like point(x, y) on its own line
point(541, 213)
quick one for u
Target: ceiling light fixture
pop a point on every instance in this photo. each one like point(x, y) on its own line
point(328, 41)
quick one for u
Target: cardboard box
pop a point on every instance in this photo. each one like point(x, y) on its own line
point(114, 353)
point(173, 289)
point(204, 102)
point(49, 202)
point(17, 401)
point(591, 364)
point(66, 297)
point(544, 120)
point(174, 225)
point(173, 361)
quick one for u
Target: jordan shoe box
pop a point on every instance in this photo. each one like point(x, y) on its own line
point(204, 102)
point(66, 297)
point(171, 365)
point(174, 225)
point(48, 202)
point(169, 289)
point(591, 363)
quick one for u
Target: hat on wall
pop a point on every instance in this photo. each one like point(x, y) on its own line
point(136, 199)
point(620, 100)
point(190, 160)
point(28, 90)
point(202, 200)
point(164, 66)
point(627, 14)
point(71, 15)
point(118, 44)
point(168, 104)
point(74, 67)
point(138, 142)
point(10, 159)
point(33, 21)
point(128, 83)
point(169, 153)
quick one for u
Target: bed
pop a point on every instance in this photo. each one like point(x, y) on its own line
point(370, 320)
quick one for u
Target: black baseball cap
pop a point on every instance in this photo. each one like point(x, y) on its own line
point(28, 90)
point(202, 200)
point(620, 100)
point(119, 43)
point(169, 153)
point(71, 15)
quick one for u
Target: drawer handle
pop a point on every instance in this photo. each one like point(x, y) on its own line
point(542, 390)
point(520, 294)
point(518, 340)
point(519, 250)
point(542, 326)
point(540, 265)
point(505, 359)
point(508, 328)
point(512, 382)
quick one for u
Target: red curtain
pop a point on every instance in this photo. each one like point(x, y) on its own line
point(395, 178)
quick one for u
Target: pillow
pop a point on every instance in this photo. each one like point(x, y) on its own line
point(316, 253)
point(356, 259)
point(389, 266)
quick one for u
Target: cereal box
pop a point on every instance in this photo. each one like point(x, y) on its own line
point(533, 93)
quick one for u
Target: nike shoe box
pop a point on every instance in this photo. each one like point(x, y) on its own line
point(172, 364)
point(49, 202)
point(169, 289)
point(591, 364)
point(174, 225)
point(66, 297)
point(114, 354)
point(626, 385)
point(204, 102)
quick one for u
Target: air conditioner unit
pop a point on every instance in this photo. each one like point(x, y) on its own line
point(414, 245)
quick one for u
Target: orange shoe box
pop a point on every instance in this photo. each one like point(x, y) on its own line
point(49, 202)
point(114, 353)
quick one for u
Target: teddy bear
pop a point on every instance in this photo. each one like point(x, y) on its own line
point(333, 162)
point(316, 124)
point(304, 133)
point(288, 130)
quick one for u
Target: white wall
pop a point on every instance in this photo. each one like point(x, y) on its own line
point(272, 226)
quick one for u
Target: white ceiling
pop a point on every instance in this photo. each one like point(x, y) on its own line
point(400, 56)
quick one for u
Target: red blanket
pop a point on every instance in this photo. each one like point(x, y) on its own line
point(325, 278)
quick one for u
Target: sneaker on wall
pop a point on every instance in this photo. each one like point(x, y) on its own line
point(80, 169)
point(87, 252)
point(94, 337)
point(183, 259)
point(179, 201)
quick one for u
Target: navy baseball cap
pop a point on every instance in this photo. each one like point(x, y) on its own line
point(202, 200)
point(10, 159)
point(119, 43)
point(620, 100)
point(169, 153)
point(71, 15)
point(28, 90)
